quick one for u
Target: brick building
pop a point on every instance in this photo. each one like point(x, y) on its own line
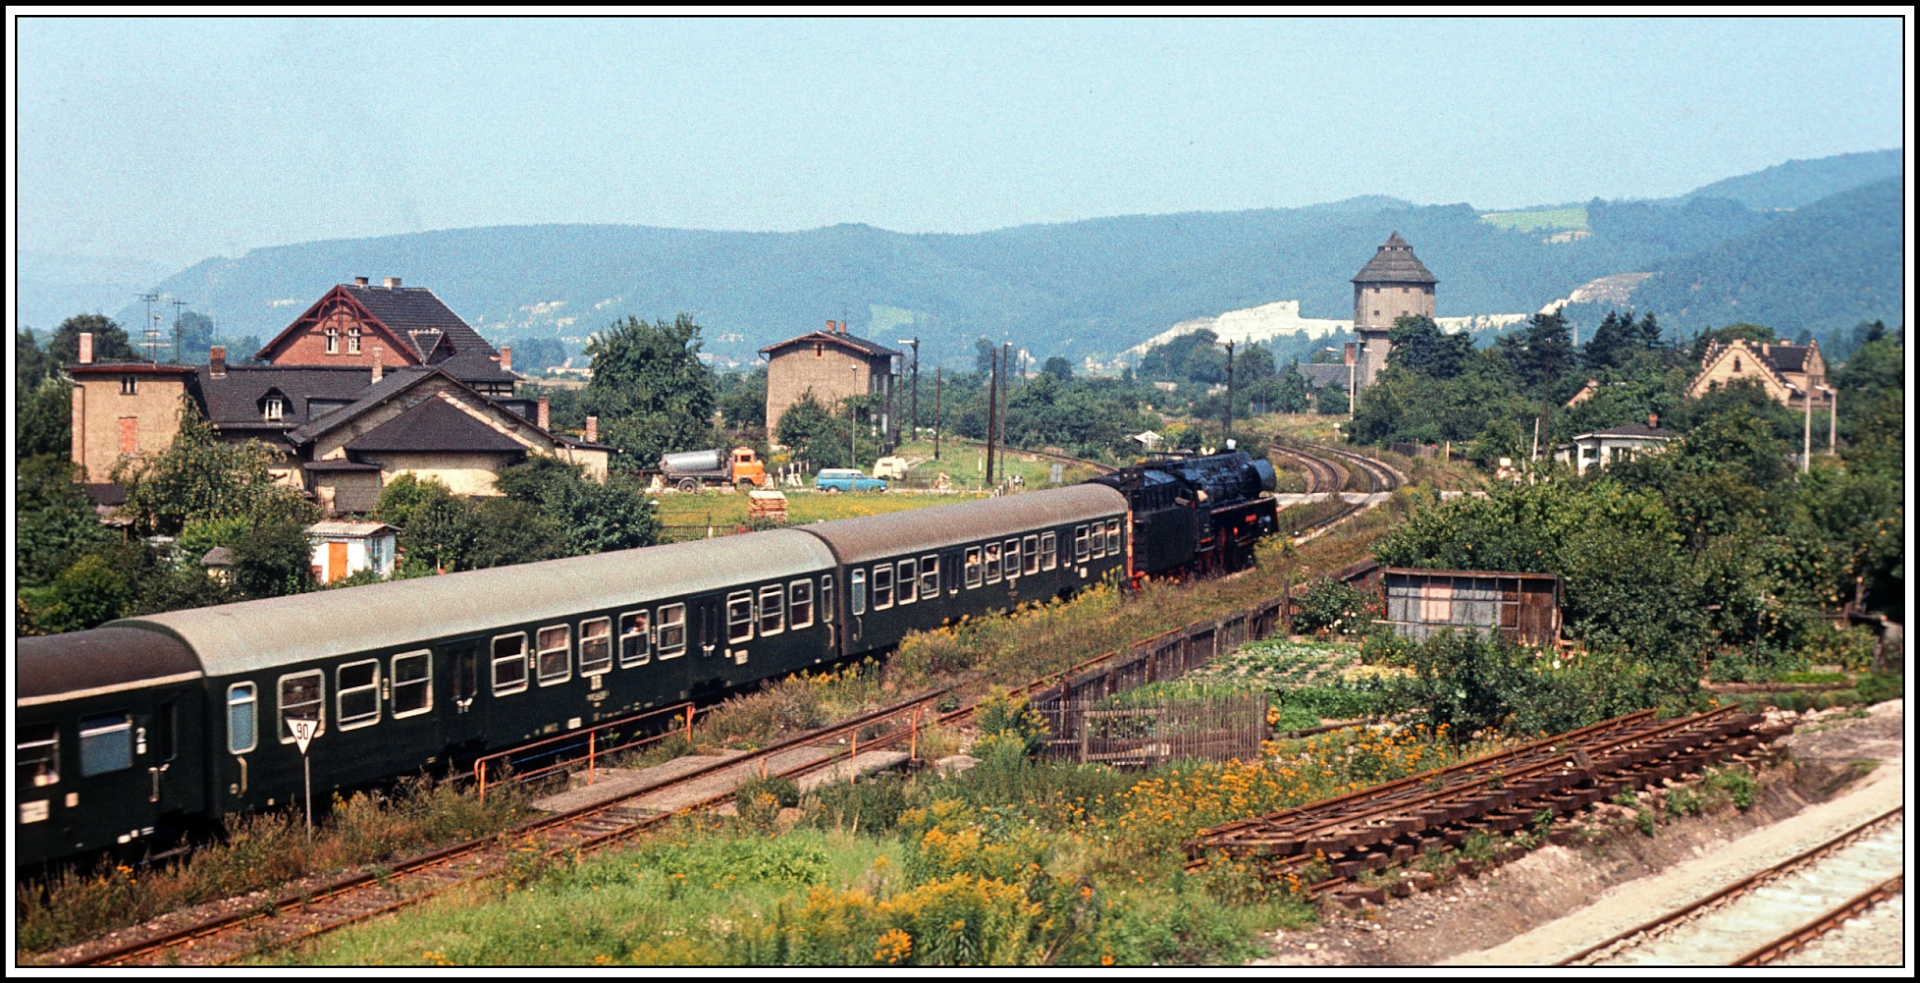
point(1786, 372)
point(369, 383)
point(832, 365)
point(1393, 284)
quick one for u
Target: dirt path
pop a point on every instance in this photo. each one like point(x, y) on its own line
point(1557, 900)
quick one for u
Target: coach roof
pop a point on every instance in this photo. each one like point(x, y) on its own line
point(281, 631)
point(103, 661)
point(896, 533)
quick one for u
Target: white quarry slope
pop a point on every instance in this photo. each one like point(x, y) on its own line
point(1282, 319)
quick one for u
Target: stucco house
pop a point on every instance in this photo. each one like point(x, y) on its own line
point(1788, 373)
point(831, 365)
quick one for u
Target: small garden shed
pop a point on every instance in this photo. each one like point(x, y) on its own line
point(1522, 607)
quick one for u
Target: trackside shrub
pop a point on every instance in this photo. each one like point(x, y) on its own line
point(1332, 607)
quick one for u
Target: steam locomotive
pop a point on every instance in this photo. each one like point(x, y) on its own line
point(150, 725)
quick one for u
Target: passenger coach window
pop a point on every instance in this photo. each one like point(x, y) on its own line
point(1099, 542)
point(301, 698)
point(412, 683)
point(826, 599)
point(773, 610)
point(1080, 546)
point(993, 563)
point(882, 587)
point(857, 591)
point(1030, 553)
point(973, 566)
point(908, 581)
point(596, 646)
point(356, 688)
point(556, 654)
point(37, 756)
point(673, 631)
point(1011, 559)
point(106, 743)
point(510, 663)
point(802, 593)
point(930, 577)
point(1113, 536)
point(633, 639)
point(242, 709)
point(740, 616)
point(1049, 550)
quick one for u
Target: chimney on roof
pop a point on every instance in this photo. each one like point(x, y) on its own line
point(379, 362)
point(593, 430)
point(392, 282)
point(542, 413)
point(1653, 419)
point(831, 324)
point(359, 281)
point(86, 348)
point(1766, 348)
point(506, 359)
point(217, 361)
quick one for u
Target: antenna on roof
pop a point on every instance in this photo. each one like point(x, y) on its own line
point(178, 305)
point(147, 327)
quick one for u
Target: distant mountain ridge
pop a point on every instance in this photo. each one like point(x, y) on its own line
point(1080, 289)
point(1803, 182)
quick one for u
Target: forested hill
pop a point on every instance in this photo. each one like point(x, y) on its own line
point(1078, 289)
point(1824, 267)
point(1798, 183)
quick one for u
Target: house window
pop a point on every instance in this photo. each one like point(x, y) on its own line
point(356, 688)
point(353, 340)
point(802, 594)
point(819, 349)
point(242, 710)
point(1736, 363)
point(276, 407)
point(672, 643)
point(37, 756)
point(301, 699)
point(412, 684)
point(596, 646)
point(633, 639)
point(510, 663)
point(106, 743)
point(129, 385)
point(740, 617)
point(333, 340)
point(556, 654)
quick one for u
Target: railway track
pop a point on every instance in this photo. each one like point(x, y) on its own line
point(1330, 471)
point(1769, 915)
point(1329, 844)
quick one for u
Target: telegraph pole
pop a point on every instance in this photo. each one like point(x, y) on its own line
point(178, 304)
point(937, 373)
point(1006, 397)
point(1226, 422)
point(993, 405)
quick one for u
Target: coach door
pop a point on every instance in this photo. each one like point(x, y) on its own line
point(463, 718)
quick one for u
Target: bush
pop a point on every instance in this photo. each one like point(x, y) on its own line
point(1008, 718)
point(1334, 607)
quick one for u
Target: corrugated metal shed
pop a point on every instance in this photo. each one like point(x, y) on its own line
point(258, 635)
point(874, 536)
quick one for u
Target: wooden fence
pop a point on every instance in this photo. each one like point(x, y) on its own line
point(1169, 655)
point(1214, 728)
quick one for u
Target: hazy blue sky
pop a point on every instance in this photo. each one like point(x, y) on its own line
point(175, 139)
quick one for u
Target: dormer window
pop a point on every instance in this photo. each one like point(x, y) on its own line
point(353, 340)
point(275, 408)
point(129, 385)
point(333, 340)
